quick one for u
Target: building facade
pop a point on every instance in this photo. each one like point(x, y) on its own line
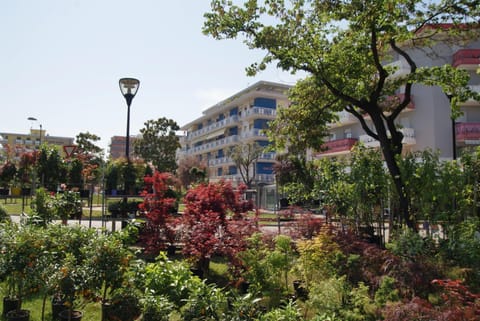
point(426, 123)
point(15, 144)
point(238, 119)
point(118, 148)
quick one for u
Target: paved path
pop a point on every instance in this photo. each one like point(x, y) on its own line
point(94, 223)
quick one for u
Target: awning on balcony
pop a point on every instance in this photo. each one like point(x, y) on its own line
point(216, 133)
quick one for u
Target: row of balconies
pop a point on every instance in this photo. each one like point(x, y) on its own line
point(466, 58)
point(226, 141)
point(466, 133)
point(259, 178)
point(228, 160)
point(253, 112)
point(342, 146)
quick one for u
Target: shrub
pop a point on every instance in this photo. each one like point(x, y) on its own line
point(4, 217)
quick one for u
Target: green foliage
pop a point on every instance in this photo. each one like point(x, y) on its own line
point(347, 63)
point(409, 245)
point(51, 169)
point(171, 279)
point(328, 295)
point(387, 292)
point(464, 244)
point(109, 259)
point(4, 216)
point(159, 143)
point(289, 312)
point(43, 207)
point(245, 156)
point(156, 308)
point(266, 268)
point(67, 204)
point(206, 302)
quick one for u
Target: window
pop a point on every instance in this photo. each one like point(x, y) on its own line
point(265, 102)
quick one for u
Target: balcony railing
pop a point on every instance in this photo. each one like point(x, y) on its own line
point(472, 102)
point(408, 138)
point(395, 100)
point(338, 145)
point(217, 125)
point(344, 118)
point(467, 132)
point(255, 132)
point(213, 145)
point(259, 111)
point(466, 58)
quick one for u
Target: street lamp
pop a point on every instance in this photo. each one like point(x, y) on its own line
point(129, 88)
point(34, 119)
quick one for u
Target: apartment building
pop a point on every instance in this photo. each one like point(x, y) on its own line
point(118, 147)
point(237, 119)
point(426, 123)
point(15, 144)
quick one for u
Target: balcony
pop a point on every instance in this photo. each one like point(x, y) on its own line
point(218, 144)
point(256, 112)
point(408, 138)
point(472, 102)
point(466, 59)
point(338, 146)
point(395, 100)
point(468, 133)
point(344, 118)
point(253, 133)
point(401, 69)
point(213, 127)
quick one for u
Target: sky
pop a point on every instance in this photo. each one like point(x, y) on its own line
point(60, 62)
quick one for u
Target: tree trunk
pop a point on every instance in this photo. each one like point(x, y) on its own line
point(391, 148)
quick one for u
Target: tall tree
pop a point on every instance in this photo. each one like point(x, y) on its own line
point(159, 144)
point(245, 157)
point(191, 171)
point(86, 144)
point(345, 47)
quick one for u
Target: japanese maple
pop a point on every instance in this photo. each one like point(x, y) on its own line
point(159, 206)
point(215, 222)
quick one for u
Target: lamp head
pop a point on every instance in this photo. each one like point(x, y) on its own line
point(129, 88)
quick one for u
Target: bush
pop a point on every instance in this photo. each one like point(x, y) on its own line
point(4, 214)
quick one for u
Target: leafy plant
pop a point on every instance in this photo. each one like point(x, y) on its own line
point(160, 229)
point(215, 221)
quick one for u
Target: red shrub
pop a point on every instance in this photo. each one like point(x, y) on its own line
point(159, 204)
point(215, 222)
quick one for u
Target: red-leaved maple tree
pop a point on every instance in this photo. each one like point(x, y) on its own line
point(216, 222)
point(159, 206)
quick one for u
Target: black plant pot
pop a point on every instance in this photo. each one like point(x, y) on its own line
point(75, 315)
point(18, 315)
point(300, 291)
point(10, 304)
point(57, 307)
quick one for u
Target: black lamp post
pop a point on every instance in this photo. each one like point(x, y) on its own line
point(129, 88)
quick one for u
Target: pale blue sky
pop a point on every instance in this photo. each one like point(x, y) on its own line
point(60, 62)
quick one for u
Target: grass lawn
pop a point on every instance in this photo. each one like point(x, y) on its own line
point(91, 311)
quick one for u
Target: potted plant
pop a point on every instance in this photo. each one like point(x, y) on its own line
point(72, 282)
point(67, 205)
point(21, 249)
point(108, 259)
point(42, 205)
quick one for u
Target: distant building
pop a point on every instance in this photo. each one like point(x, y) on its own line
point(239, 118)
point(426, 122)
point(15, 144)
point(117, 147)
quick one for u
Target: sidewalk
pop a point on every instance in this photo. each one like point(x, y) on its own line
point(94, 223)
